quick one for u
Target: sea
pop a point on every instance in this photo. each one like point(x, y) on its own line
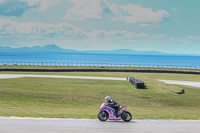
point(101, 59)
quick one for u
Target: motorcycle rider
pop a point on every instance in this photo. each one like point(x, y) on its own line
point(111, 103)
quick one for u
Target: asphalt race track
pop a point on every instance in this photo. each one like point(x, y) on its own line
point(189, 83)
point(61, 125)
point(8, 76)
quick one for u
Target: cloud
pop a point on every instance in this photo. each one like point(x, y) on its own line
point(93, 9)
point(13, 8)
point(123, 34)
point(84, 9)
point(137, 14)
point(43, 4)
point(174, 9)
point(193, 37)
point(18, 7)
point(144, 25)
point(33, 30)
point(8, 27)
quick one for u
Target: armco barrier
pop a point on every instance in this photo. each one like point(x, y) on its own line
point(99, 70)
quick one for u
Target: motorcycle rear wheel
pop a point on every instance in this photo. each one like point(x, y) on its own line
point(103, 116)
point(126, 116)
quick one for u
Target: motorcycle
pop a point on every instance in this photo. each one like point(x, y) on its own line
point(110, 114)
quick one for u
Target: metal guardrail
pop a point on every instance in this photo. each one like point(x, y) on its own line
point(96, 65)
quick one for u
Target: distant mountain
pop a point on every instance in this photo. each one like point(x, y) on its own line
point(127, 51)
point(55, 48)
point(47, 48)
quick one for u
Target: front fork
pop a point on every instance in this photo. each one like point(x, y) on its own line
point(120, 112)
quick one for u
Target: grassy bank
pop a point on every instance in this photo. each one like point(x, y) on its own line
point(80, 98)
point(156, 67)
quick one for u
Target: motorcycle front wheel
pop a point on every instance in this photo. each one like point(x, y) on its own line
point(103, 116)
point(126, 116)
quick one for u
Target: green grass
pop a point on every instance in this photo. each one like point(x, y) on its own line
point(81, 98)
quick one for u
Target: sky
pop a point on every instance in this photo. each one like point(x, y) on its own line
point(170, 26)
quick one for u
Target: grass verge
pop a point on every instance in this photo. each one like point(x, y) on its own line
point(81, 98)
point(157, 67)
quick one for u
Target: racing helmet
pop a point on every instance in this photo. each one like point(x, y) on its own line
point(107, 98)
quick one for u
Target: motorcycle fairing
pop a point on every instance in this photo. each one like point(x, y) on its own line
point(111, 112)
